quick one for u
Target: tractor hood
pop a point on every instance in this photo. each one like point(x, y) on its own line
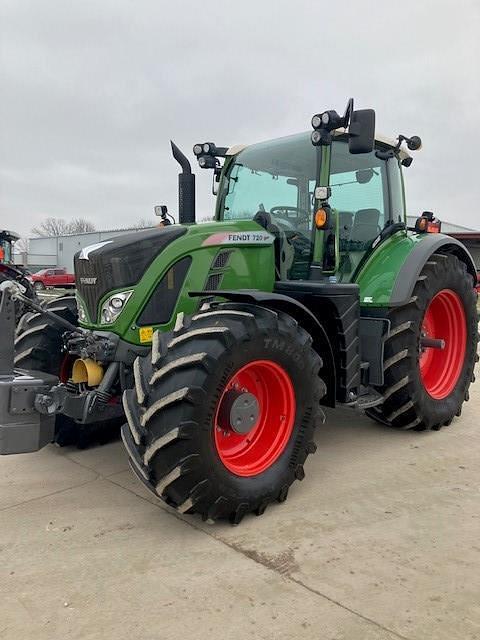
point(119, 262)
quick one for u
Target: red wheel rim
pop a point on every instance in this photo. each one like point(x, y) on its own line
point(444, 319)
point(252, 453)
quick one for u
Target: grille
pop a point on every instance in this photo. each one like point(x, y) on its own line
point(213, 281)
point(221, 260)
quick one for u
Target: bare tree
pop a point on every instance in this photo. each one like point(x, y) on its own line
point(80, 225)
point(51, 227)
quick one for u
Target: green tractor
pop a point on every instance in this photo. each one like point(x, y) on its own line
point(221, 342)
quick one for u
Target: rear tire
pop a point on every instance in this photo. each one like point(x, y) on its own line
point(173, 433)
point(426, 390)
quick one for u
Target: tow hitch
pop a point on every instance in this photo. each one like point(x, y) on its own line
point(27, 417)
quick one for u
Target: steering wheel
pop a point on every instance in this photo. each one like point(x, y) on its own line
point(283, 209)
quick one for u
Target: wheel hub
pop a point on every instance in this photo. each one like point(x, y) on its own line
point(239, 410)
point(244, 413)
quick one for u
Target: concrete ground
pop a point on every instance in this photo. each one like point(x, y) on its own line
point(380, 541)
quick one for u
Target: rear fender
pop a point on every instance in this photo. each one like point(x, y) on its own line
point(407, 276)
point(389, 276)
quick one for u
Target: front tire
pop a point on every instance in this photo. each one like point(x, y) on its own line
point(38, 342)
point(195, 386)
point(425, 388)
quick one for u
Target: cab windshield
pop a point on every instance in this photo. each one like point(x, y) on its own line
point(277, 177)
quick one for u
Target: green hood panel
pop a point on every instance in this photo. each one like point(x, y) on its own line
point(250, 264)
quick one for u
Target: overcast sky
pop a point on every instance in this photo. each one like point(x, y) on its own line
point(92, 91)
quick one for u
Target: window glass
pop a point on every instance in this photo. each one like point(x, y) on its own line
point(360, 195)
point(273, 178)
point(257, 190)
point(5, 251)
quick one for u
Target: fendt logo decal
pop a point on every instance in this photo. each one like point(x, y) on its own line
point(239, 237)
point(88, 280)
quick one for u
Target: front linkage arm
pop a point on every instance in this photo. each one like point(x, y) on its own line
point(16, 294)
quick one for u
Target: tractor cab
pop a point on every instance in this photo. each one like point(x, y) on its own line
point(274, 184)
point(7, 239)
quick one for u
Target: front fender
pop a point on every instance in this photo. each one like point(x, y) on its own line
point(304, 317)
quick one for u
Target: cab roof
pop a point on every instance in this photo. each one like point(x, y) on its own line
point(389, 142)
point(9, 235)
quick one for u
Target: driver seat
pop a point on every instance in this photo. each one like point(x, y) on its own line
point(365, 226)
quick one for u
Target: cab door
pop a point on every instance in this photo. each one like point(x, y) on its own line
point(367, 193)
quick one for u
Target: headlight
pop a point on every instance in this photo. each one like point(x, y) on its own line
point(114, 306)
point(82, 312)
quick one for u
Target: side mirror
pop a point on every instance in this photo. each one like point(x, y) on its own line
point(414, 143)
point(361, 132)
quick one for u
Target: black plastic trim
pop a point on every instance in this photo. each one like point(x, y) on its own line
point(373, 332)
point(159, 307)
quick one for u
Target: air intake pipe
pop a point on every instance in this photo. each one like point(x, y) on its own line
point(186, 188)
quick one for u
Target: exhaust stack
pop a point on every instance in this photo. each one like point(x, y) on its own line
point(186, 188)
